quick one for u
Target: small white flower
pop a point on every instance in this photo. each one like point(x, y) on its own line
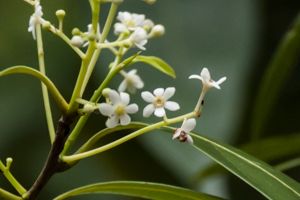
point(90, 31)
point(131, 81)
point(207, 81)
point(182, 132)
point(118, 110)
point(131, 22)
point(139, 38)
point(159, 102)
point(35, 19)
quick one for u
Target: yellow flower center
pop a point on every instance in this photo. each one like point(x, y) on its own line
point(159, 101)
point(120, 110)
point(129, 23)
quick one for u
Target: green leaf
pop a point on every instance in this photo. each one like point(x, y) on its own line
point(51, 87)
point(268, 150)
point(157, 63)
point(140, 189)
point(271, 183)
point(283, 62)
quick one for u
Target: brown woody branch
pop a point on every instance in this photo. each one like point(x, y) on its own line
point(53, 163)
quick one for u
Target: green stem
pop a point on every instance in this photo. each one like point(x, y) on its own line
point(12, 179)
point(44, 87)
point(68, 41)
point(109, 20)
point(75, 133)
point(70, 159)
point(8, 196)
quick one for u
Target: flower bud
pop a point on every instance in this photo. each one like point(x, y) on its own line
point(127, 44)
point(60, 14)
point(76, 31)
point(77, 41)
point(46, 25)
point(87, 108)
point(157, 31)
point(105, 92)
point(126, 32)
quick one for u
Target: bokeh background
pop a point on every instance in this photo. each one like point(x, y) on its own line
point(231, 38)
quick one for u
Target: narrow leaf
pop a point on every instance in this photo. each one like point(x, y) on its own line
point(277, 74)
point(140, 189)
point(271, 183)
point(157, 63)
point(268, 150)
point(51, 87)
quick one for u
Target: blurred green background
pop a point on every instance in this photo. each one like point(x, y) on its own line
point(231, 38)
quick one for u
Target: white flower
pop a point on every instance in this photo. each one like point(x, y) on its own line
point(90, 31)
point(118, 110)
point(159, 102)
point(139, 38)
point(207, 81)
point(35, 19)
point(182, 132)
point(131, 81)
point(131, 22)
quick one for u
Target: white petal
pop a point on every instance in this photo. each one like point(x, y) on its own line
point(195, 76)
point(131, 89)
point(148, 110)
point(147, 22)
point(189, 139)
point(143, 42)
point(119, 28)
point(158, 92)
point(122, 86)
point(139, 46)
point(112, 122)
point(168, 93)
point(171, 105)
point(138, 19)
point(125, 119)
point(138, 83)
point(132, 108)
point(124, 98)
point(106, 109)
point(221, 80)
point(114, 97)
point(214, 84)
point(148, 97)
point(205, 75)
point(159, 112)
point(177, 133)
point(189, 125)
point(131, 72)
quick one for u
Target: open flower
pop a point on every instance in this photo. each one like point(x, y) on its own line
point(139, 38)
point(90, 31)
point(207, 81)
point(131, 81)
point(36, 18)
point(118, 110)
point(159, 102)
point(131, 22)
point(182, 133)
